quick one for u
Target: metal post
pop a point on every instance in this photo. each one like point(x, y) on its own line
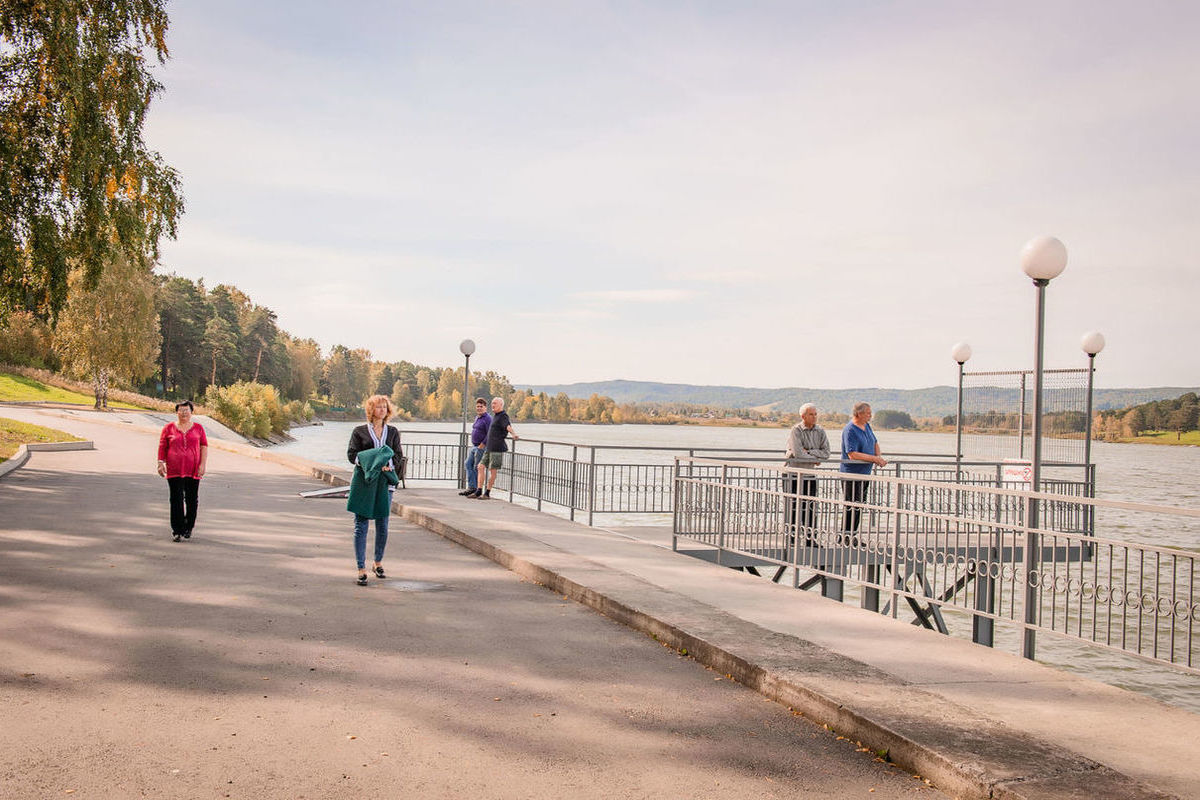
point(462, 445)
point(721, 513)
point(1032, 544)
point(676, 490)
point(592, 487)
point(895, 565)
point(958, 429)
point(541, 472)
point(983, 628)
point(1021, 422)
point(574, 465)
point(1087, 436)
point(512, 472)
point(1089, 472)
point(795, 540)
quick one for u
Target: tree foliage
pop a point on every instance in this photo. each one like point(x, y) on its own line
point(254, 409)
point(183, 317)
point(27, 341)
point(1178, 415)
point(78, 186)
point(891, 419)
point(111, 330)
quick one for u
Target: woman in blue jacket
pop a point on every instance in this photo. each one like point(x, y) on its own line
point(374, 451)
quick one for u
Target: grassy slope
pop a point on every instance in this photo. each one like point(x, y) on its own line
point(1167, 437)
point(17, 388)
point(13, 434)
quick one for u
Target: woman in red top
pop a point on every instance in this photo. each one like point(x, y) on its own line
point(182, 456)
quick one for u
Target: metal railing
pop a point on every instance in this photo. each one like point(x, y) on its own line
point(635, 479)
point(952, 547)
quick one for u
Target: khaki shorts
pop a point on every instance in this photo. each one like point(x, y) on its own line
point(493, 459)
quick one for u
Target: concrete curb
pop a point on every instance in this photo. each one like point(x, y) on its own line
point(958, 750)
point(22, 455)
point(296, 463)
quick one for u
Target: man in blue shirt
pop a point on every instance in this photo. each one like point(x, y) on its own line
point(479, 433)
point(493, 459)
point(860, 451)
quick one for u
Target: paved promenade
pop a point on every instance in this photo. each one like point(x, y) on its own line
point(246, 663)
point(978, 723)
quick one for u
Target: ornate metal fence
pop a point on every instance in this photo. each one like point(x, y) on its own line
point(934, 546)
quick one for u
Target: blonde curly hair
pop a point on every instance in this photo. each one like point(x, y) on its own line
point(369, 406)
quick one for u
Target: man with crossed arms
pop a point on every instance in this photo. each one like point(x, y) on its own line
point(807, 446)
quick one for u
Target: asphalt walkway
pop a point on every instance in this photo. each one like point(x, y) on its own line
point(246, 663)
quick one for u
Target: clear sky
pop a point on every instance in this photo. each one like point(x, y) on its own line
point(824, 194)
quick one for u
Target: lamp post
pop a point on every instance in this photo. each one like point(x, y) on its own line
point(961, 353)
point(1092, 343)
point(466, 347)
point(1042, 259)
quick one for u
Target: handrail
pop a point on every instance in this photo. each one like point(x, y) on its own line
point(777, 453)
point(996, 490)
point(946, 548)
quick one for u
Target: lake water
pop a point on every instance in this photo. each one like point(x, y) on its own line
point(1151, 474)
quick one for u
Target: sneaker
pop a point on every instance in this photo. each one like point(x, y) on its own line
point(187, 534)
point(467, 493)
point(485, 496)
point(475, 494)
point(362, 579)
point(176, 538)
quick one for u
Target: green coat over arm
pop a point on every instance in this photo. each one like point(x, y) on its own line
point(369, 485)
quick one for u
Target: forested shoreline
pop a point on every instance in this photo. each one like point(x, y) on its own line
point(168, 337)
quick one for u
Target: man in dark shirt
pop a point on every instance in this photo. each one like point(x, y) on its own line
point(493, 459)
point(478, 438)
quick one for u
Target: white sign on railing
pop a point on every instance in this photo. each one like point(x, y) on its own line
point(1018, 473)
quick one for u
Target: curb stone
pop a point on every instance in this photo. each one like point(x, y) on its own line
point(23, 452)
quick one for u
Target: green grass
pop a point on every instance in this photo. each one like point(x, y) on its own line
point(19, 389)
point(1167, 437)
point(13, 434)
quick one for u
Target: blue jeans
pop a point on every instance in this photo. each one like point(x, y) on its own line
point(360, 539)
point(472, 466)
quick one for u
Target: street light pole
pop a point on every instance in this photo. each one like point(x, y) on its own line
point(1042, 259)
point(961, 353)
point(466, 347)
point(1092, 343)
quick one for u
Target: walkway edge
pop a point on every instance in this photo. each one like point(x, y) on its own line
point(22, 455)
point(1020, 768)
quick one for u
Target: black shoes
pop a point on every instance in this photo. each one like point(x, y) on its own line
point(176, 538)
point(466, 493)
point(187, 534)
point(379, 572)
point(362, 579)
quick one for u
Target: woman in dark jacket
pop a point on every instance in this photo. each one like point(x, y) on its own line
point(376, 433)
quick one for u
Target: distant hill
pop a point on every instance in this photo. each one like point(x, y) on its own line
point(933, 401)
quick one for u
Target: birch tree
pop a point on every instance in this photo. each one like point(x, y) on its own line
point(110, 331)
point(78, 186)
